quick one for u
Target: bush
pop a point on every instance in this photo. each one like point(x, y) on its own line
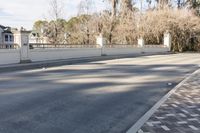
point(182, 24)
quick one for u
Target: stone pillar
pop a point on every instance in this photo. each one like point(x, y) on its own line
point(141, 42)
point(22, 39)
point(167, 40)
point(101, 42)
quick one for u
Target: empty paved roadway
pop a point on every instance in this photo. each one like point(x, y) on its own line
point(96, 97)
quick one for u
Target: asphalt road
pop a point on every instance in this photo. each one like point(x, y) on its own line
point(96, 97)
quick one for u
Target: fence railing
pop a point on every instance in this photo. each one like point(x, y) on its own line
point(9, 46)
point(154, 46)
point(121, 46)
point(49, 46)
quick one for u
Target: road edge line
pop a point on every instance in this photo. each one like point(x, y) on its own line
point(148, 114)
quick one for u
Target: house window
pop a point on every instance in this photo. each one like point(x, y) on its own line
point(6, 38)
point(11, 38)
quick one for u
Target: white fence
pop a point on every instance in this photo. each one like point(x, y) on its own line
point(24, 54)
point(121, 51)
point(55, 54)
point(9, 56)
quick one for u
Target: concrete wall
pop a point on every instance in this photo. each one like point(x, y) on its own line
point(24, 54)
point(9, 56)
point(54, 54)
point(1, 36)
point(121, 51)
point(155, 49)
point(12, 56)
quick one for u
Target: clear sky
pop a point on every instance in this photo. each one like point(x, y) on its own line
point(17, 13)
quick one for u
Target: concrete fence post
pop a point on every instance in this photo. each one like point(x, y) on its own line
point(100, 40)
point(167, 40)
point(22, 39)
point(141, 42)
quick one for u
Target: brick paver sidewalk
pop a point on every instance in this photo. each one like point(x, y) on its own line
point(180, 113)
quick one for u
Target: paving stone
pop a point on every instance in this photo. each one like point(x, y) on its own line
point(180, 113)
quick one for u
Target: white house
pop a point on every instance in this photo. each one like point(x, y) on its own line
point(6, 35)
point(35, 37)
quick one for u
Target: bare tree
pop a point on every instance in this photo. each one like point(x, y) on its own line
point(56, 9)
point(126, 6)
point(114, 4)
point(194, 5)
point(112, 24)
point(180, 23)
point(163, 3)
point(86, 9)
point(55, 27)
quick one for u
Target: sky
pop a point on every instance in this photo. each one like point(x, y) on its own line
point(18, 13)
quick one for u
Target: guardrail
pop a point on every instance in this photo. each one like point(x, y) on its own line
point(9, 46)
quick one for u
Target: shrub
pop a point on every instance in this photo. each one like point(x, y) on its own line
point(182, 24)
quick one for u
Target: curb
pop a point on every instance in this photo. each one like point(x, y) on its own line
point(148, 114)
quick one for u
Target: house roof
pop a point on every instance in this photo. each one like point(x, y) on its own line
point(35, 34)
point(5, 29)
point(2, 27)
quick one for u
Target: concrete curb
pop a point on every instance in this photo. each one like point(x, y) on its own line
point(147, 115)
point(54, 63)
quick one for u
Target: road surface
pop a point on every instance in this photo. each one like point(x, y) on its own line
point(96, 97)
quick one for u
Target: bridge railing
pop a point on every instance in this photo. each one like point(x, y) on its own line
point(154, 46)
point(121, 46)
point(9, 46)
point(57, 46)
point(28, 52)
point(49, 46)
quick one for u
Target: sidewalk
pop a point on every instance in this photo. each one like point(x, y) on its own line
point(180, 113)
point(53, 63)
